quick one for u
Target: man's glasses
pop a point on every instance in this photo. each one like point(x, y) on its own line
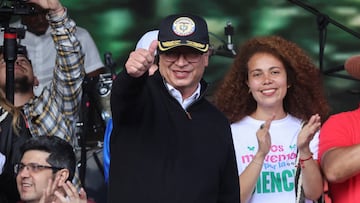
point(190, 56)
point(33, 167)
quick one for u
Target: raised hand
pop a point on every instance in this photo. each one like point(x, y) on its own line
point(48, 194)
point(71, 195)
point(54, 6)
point(263, 137)
point(307, 133)
point(141, 60)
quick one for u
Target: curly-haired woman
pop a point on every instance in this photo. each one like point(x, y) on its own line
point(274, 99)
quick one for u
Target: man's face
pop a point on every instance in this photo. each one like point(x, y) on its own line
point(23, 74)
point(31, 183)
point(36, 23)
point(183, 67)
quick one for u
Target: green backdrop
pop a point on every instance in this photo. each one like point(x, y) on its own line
point(116, 25)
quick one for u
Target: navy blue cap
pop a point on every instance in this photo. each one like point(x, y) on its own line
point(183, 30)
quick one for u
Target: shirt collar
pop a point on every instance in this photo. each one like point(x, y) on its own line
point(177, 95)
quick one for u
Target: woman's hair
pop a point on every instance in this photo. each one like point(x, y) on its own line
point(304, 97)
point(15, 112)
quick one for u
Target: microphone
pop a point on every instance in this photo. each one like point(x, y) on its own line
point(229, 32)
point(227, 49)
point(352, 66)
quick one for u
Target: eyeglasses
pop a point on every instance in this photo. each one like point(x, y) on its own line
point(33, 167)
point(191, 57)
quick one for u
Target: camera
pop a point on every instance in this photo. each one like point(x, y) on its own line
point(14, 7)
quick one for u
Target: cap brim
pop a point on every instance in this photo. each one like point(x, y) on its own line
point(164, 46)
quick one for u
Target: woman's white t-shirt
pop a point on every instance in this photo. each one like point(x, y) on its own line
point(276, 181)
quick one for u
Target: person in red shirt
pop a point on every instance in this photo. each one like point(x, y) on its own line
point(339, 148)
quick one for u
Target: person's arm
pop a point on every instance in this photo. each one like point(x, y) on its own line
point(129, 83)
point(250, 175)
point(339, 148)
point(53, 113)
point(66, 88)
point(69, 71)
point(312, 181)
point(341, 163)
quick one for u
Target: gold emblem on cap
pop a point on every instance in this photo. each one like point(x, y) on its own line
point(183, 26)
